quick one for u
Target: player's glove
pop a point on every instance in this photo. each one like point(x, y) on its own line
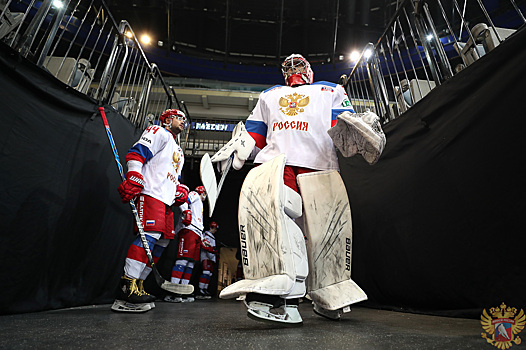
point(209, 249)
point(187, 217)
point(181, 195)
point(131, 187)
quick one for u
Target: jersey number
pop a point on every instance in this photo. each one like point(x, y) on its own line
point(152, 128)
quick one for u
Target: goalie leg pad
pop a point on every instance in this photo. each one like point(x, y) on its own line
point(328, 227)
point(272, 245)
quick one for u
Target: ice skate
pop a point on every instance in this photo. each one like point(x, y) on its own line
point(176, 298)
point(286, 315)
point(152, 298)
point(188, 299)
point(334, 315)
point(201, 295)
point(124, 306)
point(130, 299)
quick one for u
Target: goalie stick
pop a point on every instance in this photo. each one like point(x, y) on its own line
point(208, 178)
point(161, 282)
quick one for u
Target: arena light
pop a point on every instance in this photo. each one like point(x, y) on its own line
point(145, 39)
point(355, 55)
point(128, 34)
point(367, 53)
point(58, 4)
point(429, 37)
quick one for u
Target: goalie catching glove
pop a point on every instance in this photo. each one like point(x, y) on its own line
point(241, 145)
point(131, 187)
point(359, 133)
point(181, 195)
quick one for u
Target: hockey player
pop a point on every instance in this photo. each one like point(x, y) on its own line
point(208, 259)
point(154, 165)
point(190, 231)
point(294, 129)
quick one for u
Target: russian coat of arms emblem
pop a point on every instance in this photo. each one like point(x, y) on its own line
point(293, 104)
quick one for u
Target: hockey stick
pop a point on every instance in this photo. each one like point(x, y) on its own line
point(161, 282)
point(227, 168)
point(197, 228)
point(208, 178)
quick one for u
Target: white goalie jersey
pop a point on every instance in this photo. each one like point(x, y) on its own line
point(294, 121)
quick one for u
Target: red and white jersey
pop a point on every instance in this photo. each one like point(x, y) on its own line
point(208, 241)
point(294, 121)
point(162, 163)
point(194, 204)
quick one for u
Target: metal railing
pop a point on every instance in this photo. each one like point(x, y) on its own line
point(425, 44)
point(80, 43)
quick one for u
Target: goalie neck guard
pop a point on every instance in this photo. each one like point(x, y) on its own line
point(297, 70)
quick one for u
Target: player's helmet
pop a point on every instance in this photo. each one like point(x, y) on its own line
point(297, 70)
point(200, 189)
point(166, 116)
point(214, 224)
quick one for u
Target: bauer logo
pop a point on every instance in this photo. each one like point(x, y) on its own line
point(348, 254)
point(244, 251)
point(502, 325)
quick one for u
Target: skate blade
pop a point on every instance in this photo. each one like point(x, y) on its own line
point(274, 321)
point(333, 316)
point(178, 288)
point(123, 306)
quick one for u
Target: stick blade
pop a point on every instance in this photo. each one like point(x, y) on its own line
point(177, 288)
point(208, 178)
point(169, 286)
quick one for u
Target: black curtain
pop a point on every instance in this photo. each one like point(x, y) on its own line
point(64, 230)
point(438, 220)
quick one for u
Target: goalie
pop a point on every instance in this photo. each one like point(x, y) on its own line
point(294, 215)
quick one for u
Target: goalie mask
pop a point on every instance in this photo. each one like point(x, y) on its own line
point(297, 70)
point(166, 117)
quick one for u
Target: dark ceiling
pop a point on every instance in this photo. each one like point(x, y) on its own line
point(258, 32)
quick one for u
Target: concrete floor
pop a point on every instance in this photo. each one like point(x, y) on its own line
point(223, 324)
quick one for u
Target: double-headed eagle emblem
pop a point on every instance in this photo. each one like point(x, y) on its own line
point(502, 324)
point(176, 158)
point(293, 104)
